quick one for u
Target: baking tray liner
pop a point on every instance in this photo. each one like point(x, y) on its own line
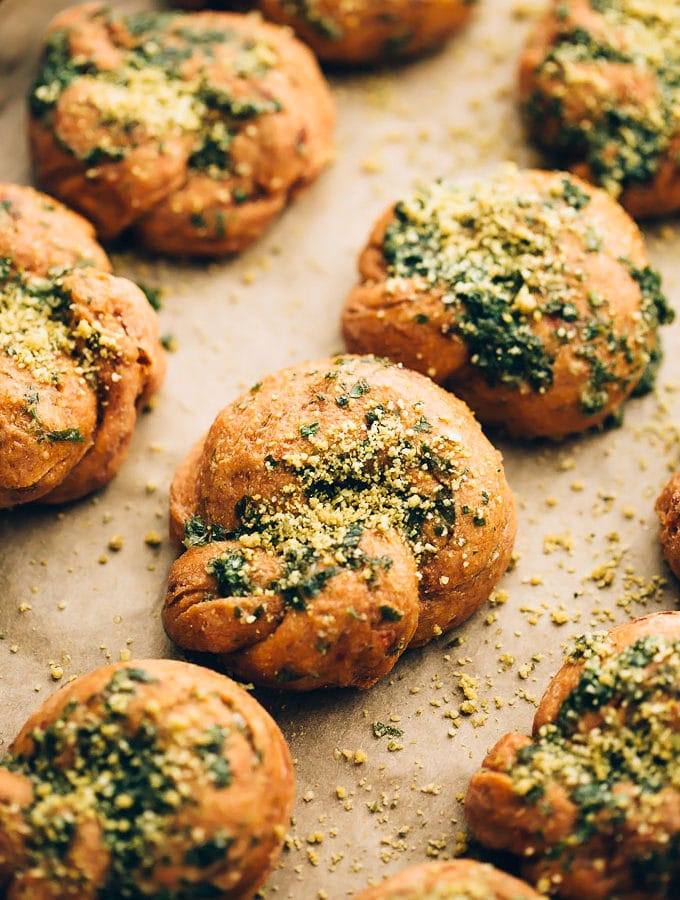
point(587, 552)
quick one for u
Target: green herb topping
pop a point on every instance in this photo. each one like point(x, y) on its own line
point(39, 333)
point(393, 472)
point(622, 137)
point(98, 761)
point(494, 254)
point(149, 95)
point(630, 752)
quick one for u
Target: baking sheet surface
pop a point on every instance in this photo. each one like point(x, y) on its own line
point(587, 546)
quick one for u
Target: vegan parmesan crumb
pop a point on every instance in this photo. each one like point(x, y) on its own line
point(153, 539)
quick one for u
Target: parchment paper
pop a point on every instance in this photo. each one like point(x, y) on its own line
point(588, 553)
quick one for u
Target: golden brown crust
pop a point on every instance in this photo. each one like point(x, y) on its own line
point(601, 107)
point(457, 879)
point(369, 31)
point(589, 251)
point(353, 600)
point(215, 819)
point(587, 821)
point(213, 4)
point(198, 146)
point(668, 510)
point(127, 380)
point(113, 195)
point(39, 233)
point(79, 355)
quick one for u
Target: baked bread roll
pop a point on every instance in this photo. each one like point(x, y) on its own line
point(369, 31)
point(598, 83)
point(457, 879)
point(150, 779)
point(668, 510)
point(339, 512)
point(79, 354)
point(529, 295)
point(591, 802)
point(194, 130)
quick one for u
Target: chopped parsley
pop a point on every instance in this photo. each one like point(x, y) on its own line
point(67, 435)
point(573, 194)
point(389, 613)
point(152, 294)
point(197, 533)
point(314, 14)
point(380, 730)
point(212, 851)
point(359, 389)
point(309, 430)
point(231, 571)
point(211, 750)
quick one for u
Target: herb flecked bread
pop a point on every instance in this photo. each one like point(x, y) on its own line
point(194, 130)
point(369, 31)
point(599, 85)
point(151, 779)
point(457, 879)
point(339, 512)
point(79, 354)
point(528, 294)
point(591, 802)
point(668, 510)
